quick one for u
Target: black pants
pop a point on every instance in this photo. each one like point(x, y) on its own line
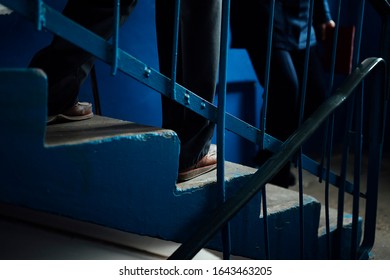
point(66, 65)
point(197, 69)
point(285, 86)
point(284, 94)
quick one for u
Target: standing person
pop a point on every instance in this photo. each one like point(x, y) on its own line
point(197, 70)
point(249, 27)
point(67, 66)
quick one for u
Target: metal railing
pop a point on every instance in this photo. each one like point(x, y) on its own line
point(50, 19)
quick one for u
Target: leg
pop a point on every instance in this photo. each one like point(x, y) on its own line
point(66, 65)
point(282, 101)
point(197, 70)
point(282, 94)
point(316, 86)
point(316, 92)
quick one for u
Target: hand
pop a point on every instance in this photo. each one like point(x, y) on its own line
point(325, 26)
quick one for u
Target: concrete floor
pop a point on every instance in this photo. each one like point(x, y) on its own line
point(25, 235)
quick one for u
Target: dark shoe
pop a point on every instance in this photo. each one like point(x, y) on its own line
point(284, 178)
point(206, 164)
point(80, 111)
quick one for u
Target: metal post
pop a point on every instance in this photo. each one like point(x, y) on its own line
point(40, 16)
point(115, 37)
point(221, 119)
point(176, 25)
point(263, 117)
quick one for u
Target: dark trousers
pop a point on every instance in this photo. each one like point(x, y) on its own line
point(198, 61)
point(285, 86)
point(66, 65)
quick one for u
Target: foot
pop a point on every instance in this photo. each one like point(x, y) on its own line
point(78, 112)
point(206, 164)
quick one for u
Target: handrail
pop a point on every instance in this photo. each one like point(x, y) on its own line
point(256, 183)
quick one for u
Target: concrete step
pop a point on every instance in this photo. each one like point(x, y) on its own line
point(325, 251)
point(100, 171)
point(247, 230)
point(122, 175)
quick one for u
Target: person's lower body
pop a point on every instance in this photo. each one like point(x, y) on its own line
point(282, 105)
point(198, 61)
point(67, 66)
point(284, 98)
point(316, 93)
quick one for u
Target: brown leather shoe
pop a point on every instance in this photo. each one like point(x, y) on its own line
point(206, 164)
point(78, 112)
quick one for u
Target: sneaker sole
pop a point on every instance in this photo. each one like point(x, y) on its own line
point(191, 174)
point(65, 118)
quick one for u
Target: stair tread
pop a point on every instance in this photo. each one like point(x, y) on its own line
point(278, 199)
point(98, 128)
point(232, 170)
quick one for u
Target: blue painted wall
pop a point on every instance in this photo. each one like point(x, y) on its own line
point(124, 98)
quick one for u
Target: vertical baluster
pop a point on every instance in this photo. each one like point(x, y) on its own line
point(301, 113)
point(358, 142)
point(176, 25)
point(343, 175)
point(40, 18)
point(115, 37)
point(358, 146)
point(306, 62)
point(328, 134)
point(359, 30)
point(221, 119)
point(265, 223)
point(376, 126)
point(263, 117)
point(346, 147)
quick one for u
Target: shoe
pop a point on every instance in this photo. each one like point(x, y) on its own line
point(205, 165)
point(78, 112)
point(284, 178)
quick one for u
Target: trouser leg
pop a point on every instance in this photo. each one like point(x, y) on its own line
point(283, 91)
point(315, 93)
point(198, 62)
point(316, 83)
point(282, 115)
point(65, 64)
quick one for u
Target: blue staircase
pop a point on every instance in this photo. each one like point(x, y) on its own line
point(123, 175)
